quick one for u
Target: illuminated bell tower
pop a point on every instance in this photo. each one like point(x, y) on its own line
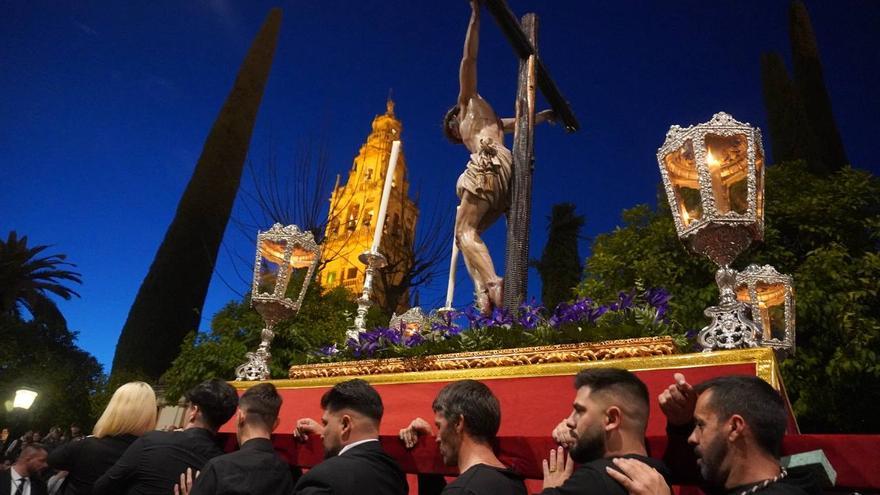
point(352, 222)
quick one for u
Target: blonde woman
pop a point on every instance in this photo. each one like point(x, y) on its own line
point(130, 413)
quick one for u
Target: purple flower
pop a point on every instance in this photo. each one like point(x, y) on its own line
point(624, 301)
point(580, 310)
point(381, 338)
point(328, 351)
point(387, 337)
point(529, 315)
point(474, 317)
point(657, 297)
point(362, 347)
point(445, 326)
point(413, 340)
point(500, 317)
point(594, 313)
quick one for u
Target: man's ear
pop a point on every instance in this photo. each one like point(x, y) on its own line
point(193, 413)
point(613, 416)
point(737, 426)
point(459, 424)
point(346, 424)
point(240, 416)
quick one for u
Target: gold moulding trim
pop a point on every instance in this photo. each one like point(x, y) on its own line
point(763, 358)
point(562, 353)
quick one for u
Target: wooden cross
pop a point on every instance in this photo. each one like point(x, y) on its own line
point(524, 40)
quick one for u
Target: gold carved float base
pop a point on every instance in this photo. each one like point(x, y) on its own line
point(563, 353)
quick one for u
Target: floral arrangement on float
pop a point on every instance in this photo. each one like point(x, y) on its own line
point(632, 315)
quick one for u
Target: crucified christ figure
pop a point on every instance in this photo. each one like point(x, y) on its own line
point(484, 187)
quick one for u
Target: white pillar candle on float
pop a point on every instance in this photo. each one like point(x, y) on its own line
point(450, 286)
point(386, 193)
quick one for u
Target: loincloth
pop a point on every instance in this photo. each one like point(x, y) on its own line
point(487, 175)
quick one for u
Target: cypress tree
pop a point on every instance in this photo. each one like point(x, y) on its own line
point(810, 82)
point(170, 299)
point(560, 264)
point(791, 137)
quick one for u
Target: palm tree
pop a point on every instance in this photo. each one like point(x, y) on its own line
point(27, 279)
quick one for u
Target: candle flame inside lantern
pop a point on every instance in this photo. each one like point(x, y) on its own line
point(711, 160)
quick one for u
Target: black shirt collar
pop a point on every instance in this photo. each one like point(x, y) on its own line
point(263, 444)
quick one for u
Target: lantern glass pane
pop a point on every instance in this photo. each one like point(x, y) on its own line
point(271, 258)
point(301, 257)
point(297, 279)
point(777, 321)
point(728, 165)
point(681, 169)
point(742, 294)
point(771, 300)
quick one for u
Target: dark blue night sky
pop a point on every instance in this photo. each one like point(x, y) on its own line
point(105, 107)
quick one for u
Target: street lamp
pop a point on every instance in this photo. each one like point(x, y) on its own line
point(284, 255)
point(713, 174)
point(24, 399)
point(770, 296)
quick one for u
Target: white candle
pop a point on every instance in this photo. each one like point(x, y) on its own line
point(386, 193)
point(450, 286)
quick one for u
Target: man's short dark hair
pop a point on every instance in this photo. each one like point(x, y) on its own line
point(450, 125)
point(619, 382)
point(759, 404)
point(356, 395)
point(475, 403)
point(30, 449)
point(216, 400)
point(261, 403)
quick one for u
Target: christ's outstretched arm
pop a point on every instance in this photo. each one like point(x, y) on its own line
point(468, 71)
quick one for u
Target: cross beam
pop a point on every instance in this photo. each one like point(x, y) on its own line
point(524, 48)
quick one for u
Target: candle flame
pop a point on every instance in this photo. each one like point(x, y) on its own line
point(711, 160)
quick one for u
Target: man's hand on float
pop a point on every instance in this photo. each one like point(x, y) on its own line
point(638, 478)
point(186, 482)
point(562, 435)
point(678, 401)
point(557, 468)
point(305, 427)
point(410, 434)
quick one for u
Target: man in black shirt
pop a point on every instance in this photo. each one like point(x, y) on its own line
point(735, 425)
point(355, 463)
point(255, 467)
point(153, 463)
point(608, 420)
point(467, 415)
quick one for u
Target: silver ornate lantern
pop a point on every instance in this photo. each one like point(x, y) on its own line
point(285, 255)
point(411, 321)
point(714, 179)
point(770, 296)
